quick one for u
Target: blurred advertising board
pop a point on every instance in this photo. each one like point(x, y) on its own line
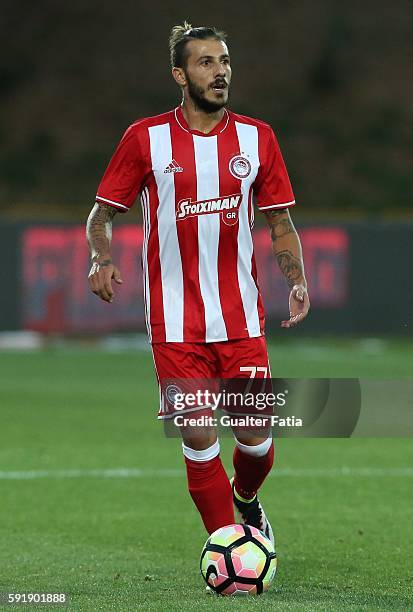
point(56, 297)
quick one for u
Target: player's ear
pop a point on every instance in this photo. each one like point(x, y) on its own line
point(179, 76)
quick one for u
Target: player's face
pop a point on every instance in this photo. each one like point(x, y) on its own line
point(208, 74)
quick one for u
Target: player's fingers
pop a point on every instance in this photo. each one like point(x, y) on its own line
point(297, 319)
point(102, 293)
point(117, 276)
point(102, 289)
point(93, 284)
point(293, 321)
point(108, 289)
point(106, 294)
point(97, 283)
point(108, 285)
point(286, 323)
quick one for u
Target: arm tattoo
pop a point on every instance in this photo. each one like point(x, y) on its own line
point(280, 224)
point(291, 267)
point(286, 246)
point(99, 230)
point(281, 228)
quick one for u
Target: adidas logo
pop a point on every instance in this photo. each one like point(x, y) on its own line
point(173, 167)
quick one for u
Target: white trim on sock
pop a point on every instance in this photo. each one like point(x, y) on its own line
point(259, 450)
point(201, 455)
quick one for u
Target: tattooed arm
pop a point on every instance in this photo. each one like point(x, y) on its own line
point(99, 236)
point(287, 249)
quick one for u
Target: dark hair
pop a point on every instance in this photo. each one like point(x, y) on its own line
point(182, 34)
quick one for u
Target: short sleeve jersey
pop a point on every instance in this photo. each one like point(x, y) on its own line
point(197, 193)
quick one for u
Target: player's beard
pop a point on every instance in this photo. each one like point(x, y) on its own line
point(197, 94)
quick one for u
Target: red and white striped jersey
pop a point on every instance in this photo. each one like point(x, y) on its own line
point(197, 191)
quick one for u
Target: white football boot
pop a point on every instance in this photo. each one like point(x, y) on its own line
point(252, 513)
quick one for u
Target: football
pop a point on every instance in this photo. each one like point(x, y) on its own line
point(238, 560)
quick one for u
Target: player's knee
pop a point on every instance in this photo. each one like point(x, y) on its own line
point(198, 438)
point(249, 437)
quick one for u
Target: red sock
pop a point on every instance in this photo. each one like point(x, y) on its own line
point(251, 471)
point(211, 491)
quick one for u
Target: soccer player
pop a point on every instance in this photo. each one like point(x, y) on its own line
point(198, 169)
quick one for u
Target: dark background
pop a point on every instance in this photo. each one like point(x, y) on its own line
point(333, 78)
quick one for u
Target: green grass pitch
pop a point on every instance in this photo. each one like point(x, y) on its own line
point(132, 540)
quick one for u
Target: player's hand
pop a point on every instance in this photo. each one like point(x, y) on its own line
point(299, 304)
point(100, 279)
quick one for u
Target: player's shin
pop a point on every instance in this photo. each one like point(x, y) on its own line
point(252, 465)
point(209, 486)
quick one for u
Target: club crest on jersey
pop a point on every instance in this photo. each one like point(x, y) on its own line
point(173, 167)
point(239, 167)
point(228, 206)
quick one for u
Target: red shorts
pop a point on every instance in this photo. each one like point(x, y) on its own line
point(245, 358)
